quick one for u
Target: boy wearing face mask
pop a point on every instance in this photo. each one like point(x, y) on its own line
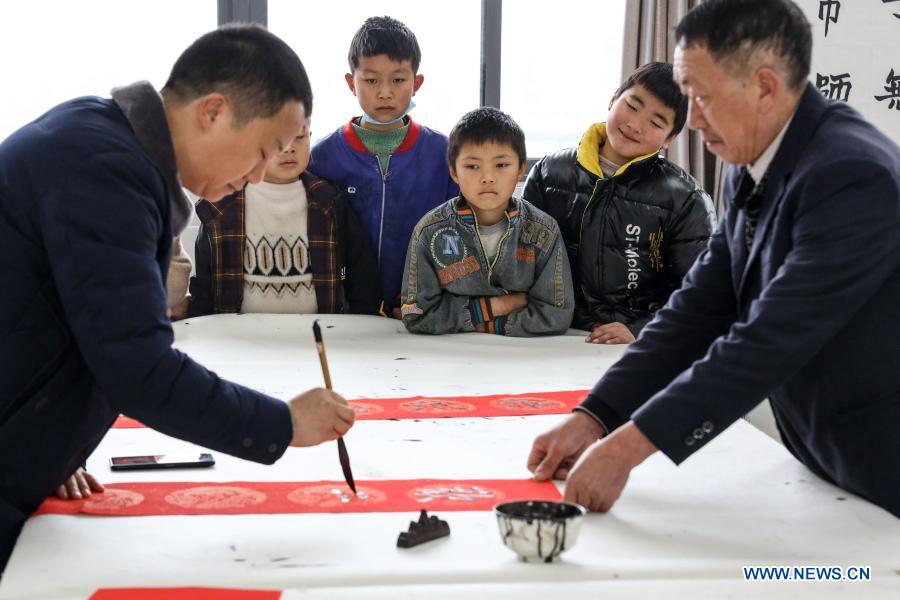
point(393, 169)
point(633, 222)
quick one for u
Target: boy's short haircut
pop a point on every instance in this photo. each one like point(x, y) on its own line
point(253, 68)
point(384, 35)
point(482, 125)
point(658, 79)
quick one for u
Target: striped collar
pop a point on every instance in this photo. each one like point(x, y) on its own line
point(465, 213)
point(408, 142)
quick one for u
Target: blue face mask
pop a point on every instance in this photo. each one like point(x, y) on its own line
point(367, 119)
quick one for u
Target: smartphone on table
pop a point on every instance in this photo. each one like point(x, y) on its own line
point(161, 461)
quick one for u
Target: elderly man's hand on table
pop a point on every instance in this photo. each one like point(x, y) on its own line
point(598, 478)
point(553, 453)
point(319, 415)
point(78, 486)
point(595, 470)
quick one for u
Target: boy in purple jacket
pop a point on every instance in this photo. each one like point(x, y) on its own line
point(394, 170)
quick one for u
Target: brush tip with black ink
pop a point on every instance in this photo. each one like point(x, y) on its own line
point(317, 331)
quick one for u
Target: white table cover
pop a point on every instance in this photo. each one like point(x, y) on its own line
point(676, 532)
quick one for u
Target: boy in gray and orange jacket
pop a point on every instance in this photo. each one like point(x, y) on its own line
point(487, 261)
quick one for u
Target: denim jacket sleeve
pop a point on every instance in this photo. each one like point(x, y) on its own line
point(426, 307)
point(551, 300)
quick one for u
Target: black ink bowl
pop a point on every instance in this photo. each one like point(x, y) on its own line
point(539, 530)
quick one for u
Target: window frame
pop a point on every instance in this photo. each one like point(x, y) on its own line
point(256, 11)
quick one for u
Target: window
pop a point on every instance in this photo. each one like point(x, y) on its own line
point(320, 33)
point(54, 51)
point(560, 67)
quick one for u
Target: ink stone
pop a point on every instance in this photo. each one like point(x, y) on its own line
point(427, 528)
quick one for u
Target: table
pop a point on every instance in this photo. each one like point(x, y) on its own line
point(682, 532)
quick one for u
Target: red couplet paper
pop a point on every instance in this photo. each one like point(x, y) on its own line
point(184, 593)
point(498, 405)
point(285, 497)
point(433, 407)
point(123, 422)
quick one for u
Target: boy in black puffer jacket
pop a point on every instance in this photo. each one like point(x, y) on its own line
point(633, 223)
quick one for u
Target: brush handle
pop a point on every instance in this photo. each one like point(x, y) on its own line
point(324, 362)
point(343, 456)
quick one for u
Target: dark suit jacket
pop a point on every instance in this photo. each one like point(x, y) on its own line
point(85, 241)
point(809, 317)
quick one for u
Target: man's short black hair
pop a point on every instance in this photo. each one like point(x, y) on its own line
point(732, 31)
point(658, 79)
point(384, 35)
point(483, 125)
point(253, 68)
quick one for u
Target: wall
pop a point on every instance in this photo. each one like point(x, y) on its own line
point(856, 56)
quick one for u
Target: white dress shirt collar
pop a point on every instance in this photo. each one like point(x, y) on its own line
point(758, 168)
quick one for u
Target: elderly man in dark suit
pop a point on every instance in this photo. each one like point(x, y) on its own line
point(797, 296)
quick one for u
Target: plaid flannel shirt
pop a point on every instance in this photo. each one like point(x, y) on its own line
point(224, 222)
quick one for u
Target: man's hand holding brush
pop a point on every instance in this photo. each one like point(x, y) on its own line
point(319, 415)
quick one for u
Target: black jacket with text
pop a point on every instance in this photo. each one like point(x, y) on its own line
point(630, 237)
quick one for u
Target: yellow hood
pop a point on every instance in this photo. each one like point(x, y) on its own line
point(589, 151)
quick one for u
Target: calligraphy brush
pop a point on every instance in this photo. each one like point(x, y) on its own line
point(342, 448)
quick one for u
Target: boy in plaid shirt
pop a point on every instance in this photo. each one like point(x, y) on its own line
point(289, 244)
